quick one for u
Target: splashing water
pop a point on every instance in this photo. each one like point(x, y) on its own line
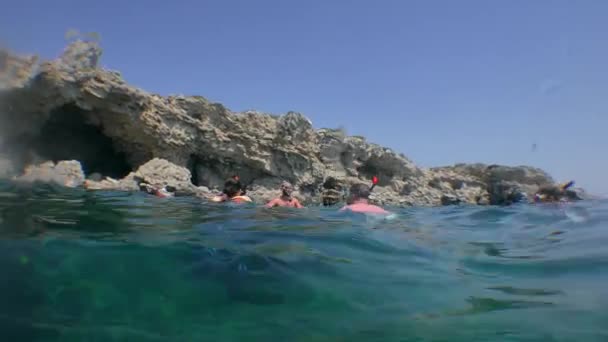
point(116, 266)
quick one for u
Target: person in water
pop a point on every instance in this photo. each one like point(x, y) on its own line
point(286, 199)
point(359, 201)
point(553, 193)
point(158, 190)
point(233, 192)
point(164, 192)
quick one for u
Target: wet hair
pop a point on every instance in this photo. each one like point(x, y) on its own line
point(232, 187)
point(331, 197)
point(360, 190)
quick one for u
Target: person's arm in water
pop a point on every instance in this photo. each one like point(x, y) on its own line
point(241, 199)
point(381, 210)
point(297, 203)
point(218, 198)
point(272, 203)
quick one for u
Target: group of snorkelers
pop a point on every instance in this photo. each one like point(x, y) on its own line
point(235, 192)
point(359, 198)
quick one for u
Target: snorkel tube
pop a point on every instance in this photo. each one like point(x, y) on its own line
point(567, 185)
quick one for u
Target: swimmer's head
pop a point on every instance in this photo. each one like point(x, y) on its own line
point(233, 187)
point(286, 188)
point(359, 192)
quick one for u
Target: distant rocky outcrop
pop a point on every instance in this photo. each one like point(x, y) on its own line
point(493, 184)
point(126, 138)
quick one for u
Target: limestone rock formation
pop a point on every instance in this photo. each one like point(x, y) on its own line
point(153, 175)
point(160, 173)
point(107, 183)
point(66, 173)
point(71, 109)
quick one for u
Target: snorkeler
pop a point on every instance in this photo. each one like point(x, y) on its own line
point(285, 200)
point(554, 193)
point(233, 191)
point(164, 192)
point(158, 190)
point(359, 201)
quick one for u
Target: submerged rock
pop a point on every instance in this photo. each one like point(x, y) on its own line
point(70, 108)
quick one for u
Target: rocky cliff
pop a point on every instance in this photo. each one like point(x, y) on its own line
point(70, 109)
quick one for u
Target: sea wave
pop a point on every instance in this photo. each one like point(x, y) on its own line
point(126, 266)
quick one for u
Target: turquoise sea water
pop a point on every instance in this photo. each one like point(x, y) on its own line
point(103, 266)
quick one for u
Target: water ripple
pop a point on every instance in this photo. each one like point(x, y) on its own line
point(133, 267)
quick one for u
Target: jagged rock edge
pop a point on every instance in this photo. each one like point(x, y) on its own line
point(263, 149)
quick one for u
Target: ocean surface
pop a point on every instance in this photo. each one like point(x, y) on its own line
point(111, 266)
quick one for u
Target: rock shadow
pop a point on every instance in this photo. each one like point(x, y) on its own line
point(69, 135)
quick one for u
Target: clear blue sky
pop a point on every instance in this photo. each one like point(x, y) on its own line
point(441, 81)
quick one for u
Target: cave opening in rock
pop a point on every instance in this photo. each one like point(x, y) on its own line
point(68, 136)
point(194, 163)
